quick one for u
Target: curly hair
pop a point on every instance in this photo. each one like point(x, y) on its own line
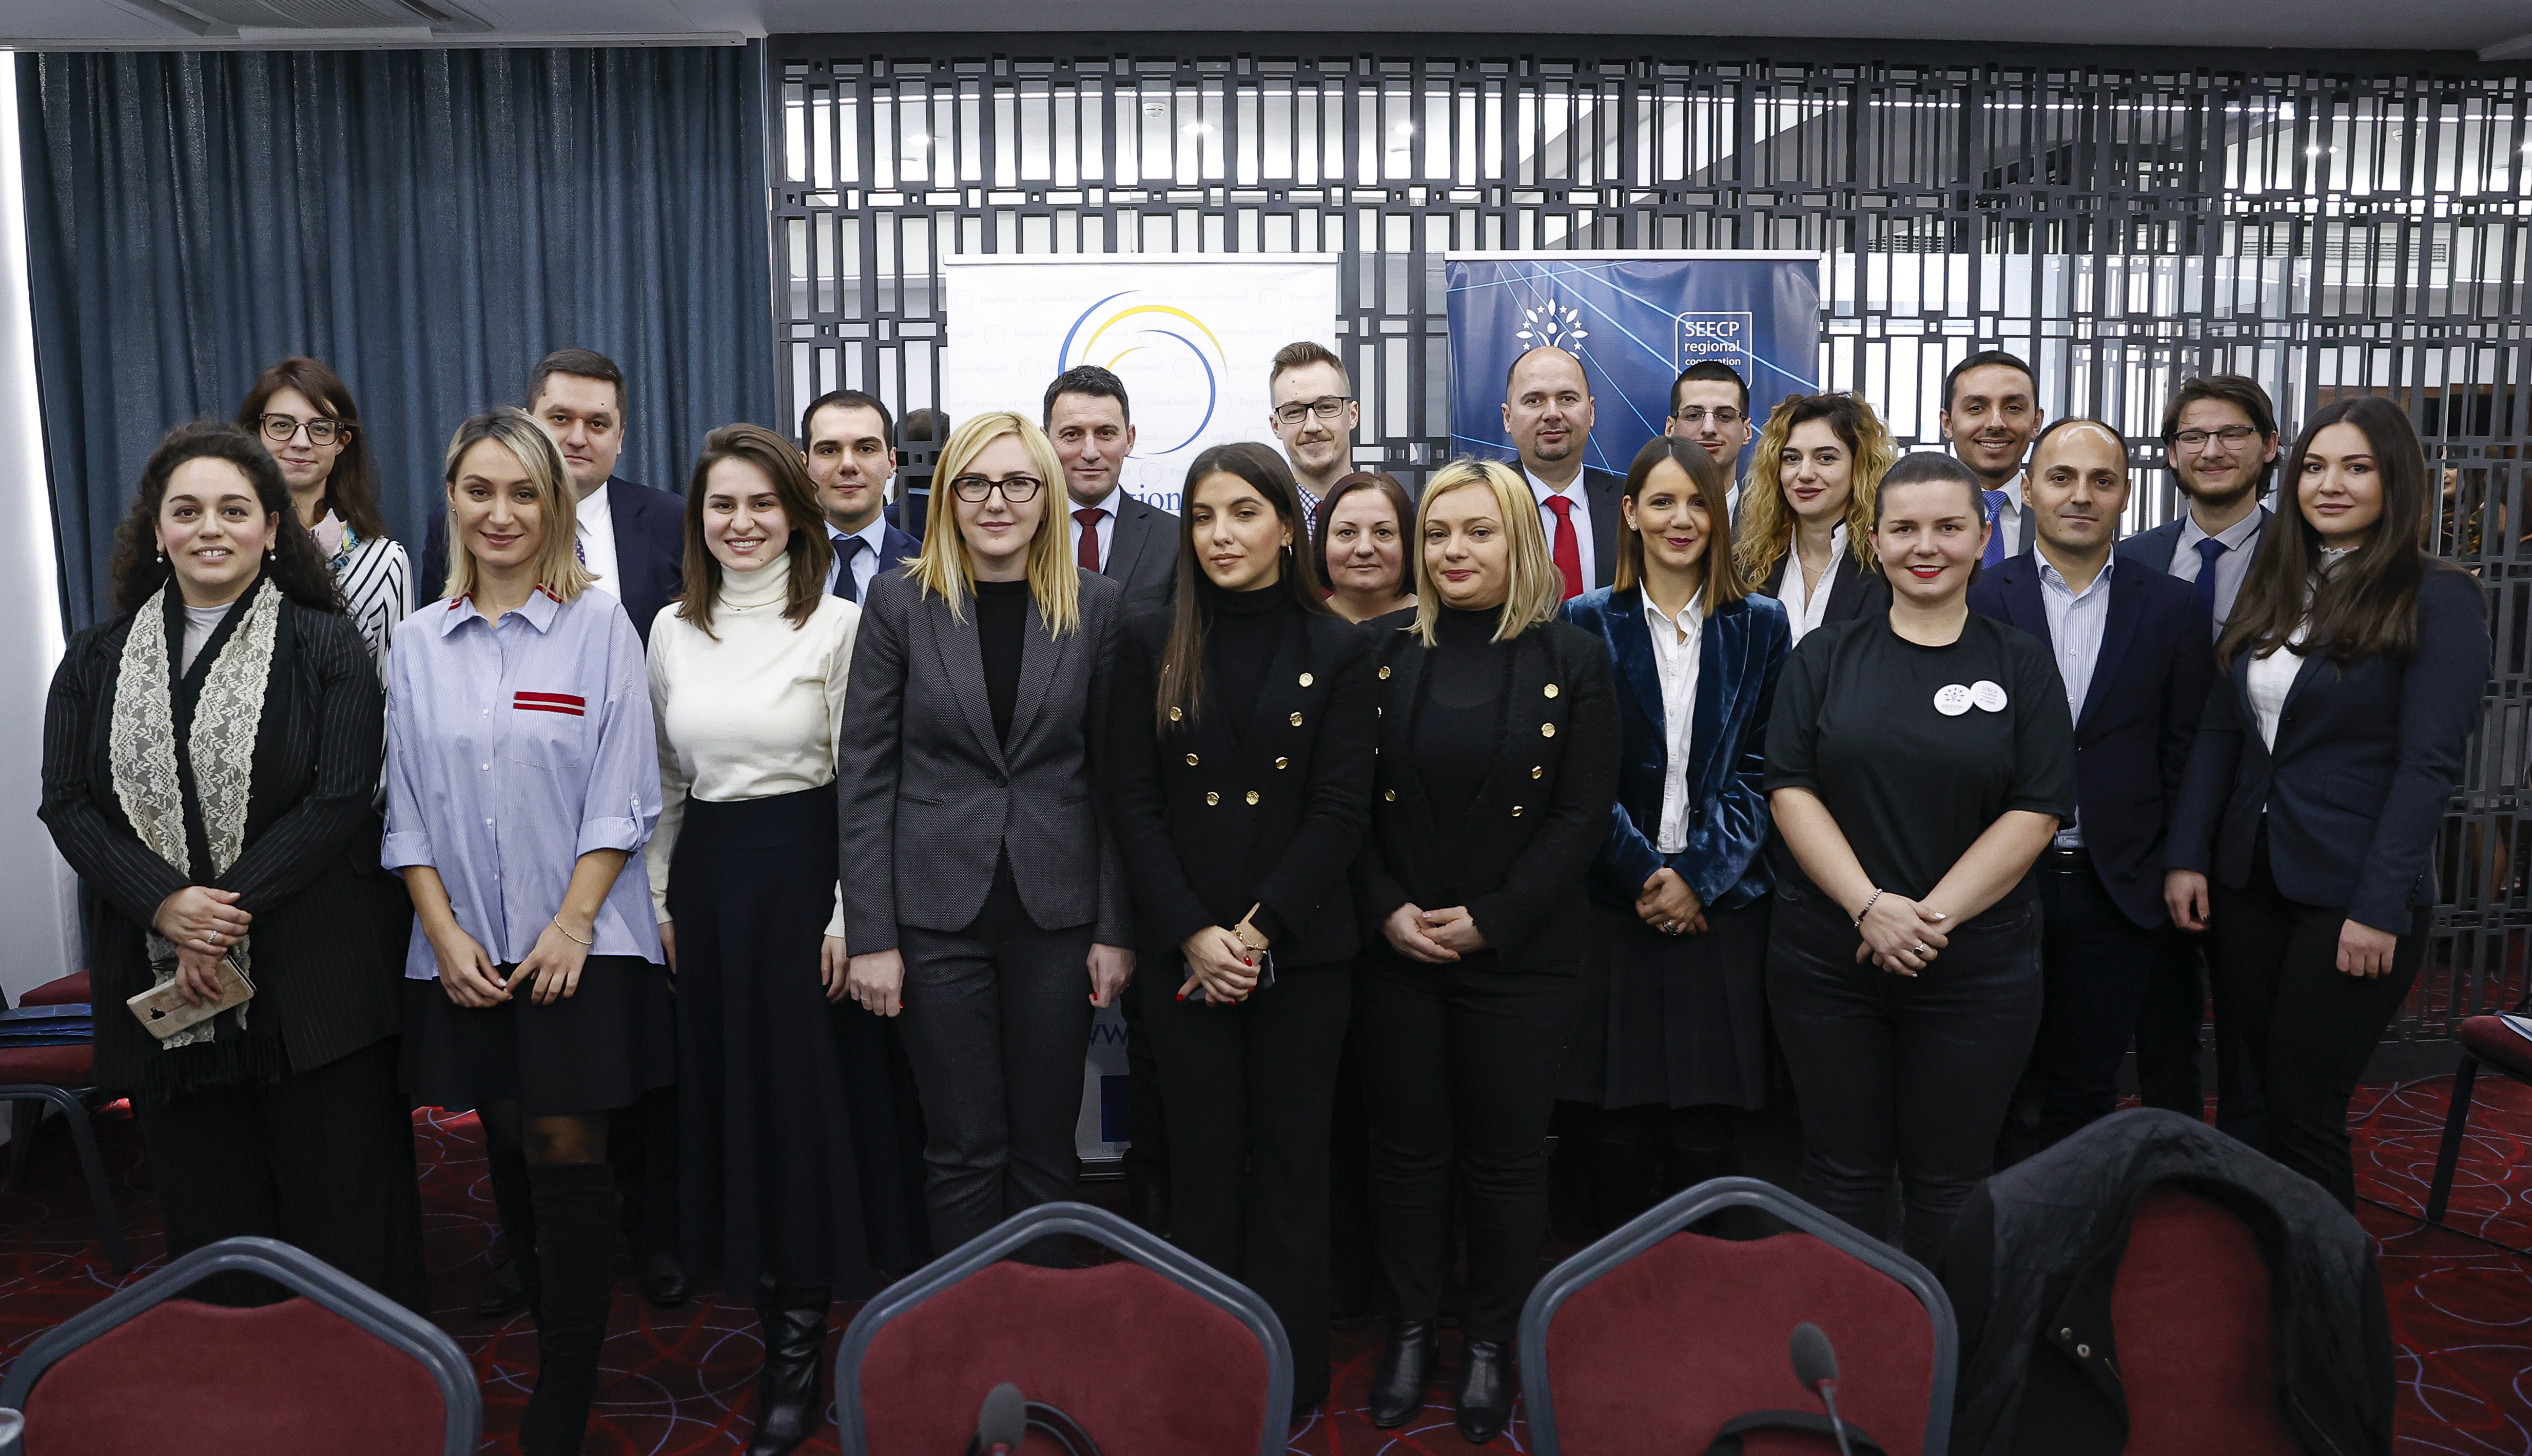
point(294, 564)
point(1765, 532)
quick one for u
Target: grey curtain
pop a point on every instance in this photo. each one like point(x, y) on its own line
point(427, 222)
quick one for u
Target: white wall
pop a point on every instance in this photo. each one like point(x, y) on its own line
point(38, 913)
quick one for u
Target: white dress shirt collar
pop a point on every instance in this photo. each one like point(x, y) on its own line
point(1679, 644)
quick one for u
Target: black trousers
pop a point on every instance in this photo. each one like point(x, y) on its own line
point(2095, 964)
point(2309, 1027)
point(1147, 1147)
point(1912, 1071)
point(1459, 1067)
point(323, 1159)
point(1250, 1090)
point(2169, 1046)
point(996, 1022)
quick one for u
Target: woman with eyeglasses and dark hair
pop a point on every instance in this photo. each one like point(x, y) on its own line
point(2353, 668)
point(984, 899)
point(1671, 1043)
point(1360, 531)
point(303, 414)
point(210, 763)
point(1240, 760)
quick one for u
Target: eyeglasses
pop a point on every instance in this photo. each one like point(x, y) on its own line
point(1697, 415)
point(1019, 491)
point(321, 432)
point(2196, 439)
point(1326, 406)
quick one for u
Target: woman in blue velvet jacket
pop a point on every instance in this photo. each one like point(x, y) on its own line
point(1672, 1041)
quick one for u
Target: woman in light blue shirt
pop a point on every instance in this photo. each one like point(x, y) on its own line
point(523, 779)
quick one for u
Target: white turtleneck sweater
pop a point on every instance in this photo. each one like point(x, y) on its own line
point(749, 713)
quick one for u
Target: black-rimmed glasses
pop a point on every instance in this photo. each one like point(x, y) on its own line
point(1326, 406)
point(2196, 439)
point(1019, 491)
point(321, 432)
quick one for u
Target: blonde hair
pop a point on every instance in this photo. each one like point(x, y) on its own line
point(1536, 591)
point(559, 568)
point(1765, 533)
point(944, 569)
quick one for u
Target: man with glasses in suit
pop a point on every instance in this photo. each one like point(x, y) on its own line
point(1315, 415)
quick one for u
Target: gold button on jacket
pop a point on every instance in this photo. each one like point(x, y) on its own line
point(1212, 796)
point(1253, 796)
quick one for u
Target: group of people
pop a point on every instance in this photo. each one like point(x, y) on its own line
point(792, 850)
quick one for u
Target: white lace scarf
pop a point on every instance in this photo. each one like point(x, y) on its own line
point(142, 750)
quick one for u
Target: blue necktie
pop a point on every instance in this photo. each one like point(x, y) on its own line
point(1997, 550)
point(2208, 548)
point(847, 548)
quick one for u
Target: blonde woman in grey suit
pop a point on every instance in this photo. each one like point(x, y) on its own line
point(984, 900)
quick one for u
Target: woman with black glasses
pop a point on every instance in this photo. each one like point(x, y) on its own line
point(303, 414)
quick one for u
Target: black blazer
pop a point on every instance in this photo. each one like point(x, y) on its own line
point(1853, 590)
point(328, 937)
point(2141, 712)
point(1536, 825)
point(1143, 554)
point(1216, 816)
point(2365, 759)
point(650, 551)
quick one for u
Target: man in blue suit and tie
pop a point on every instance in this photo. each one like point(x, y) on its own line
point(2133, 654)
point(2220, 435)
point(850, 444)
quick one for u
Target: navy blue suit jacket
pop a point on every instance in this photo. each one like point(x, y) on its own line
point(896, 549)
point(650, 550)
point(1739, 655)
point(2367, 755)
point(2156, 548)
point(2141, 714)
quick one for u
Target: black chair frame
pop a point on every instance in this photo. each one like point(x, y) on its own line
point(1677, 1212)
point(2458, 1126)
point(76, 1104)
point(302, 1274)
point(1008, 1238)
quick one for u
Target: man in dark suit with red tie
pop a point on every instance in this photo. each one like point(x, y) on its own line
point(1547, 413)
point(1127, 540)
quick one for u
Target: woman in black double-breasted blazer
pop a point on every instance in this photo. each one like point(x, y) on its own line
point(1240, 761)
point(1498, 763)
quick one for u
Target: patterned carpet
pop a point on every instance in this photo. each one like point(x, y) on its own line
point(681, 1381)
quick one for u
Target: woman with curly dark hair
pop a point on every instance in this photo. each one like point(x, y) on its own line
point(210, 759)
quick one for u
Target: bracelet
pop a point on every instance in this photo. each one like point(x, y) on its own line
point(1867, 909)
point(576, 940)
point(1244, 941)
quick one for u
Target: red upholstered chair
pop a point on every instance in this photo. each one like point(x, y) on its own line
point(35, 1077)
point(1157, 1354)
point(2486, 1041)
point(1651, 1338)
point(69, 990)
point(341, 1368)
point(2197, 1334)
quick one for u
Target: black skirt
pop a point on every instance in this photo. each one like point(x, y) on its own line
point(613, 1039)
point(781, 1130)
point(1671, 1020)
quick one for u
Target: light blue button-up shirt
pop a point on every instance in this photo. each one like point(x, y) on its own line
point(513, 751)
point(2076, 621)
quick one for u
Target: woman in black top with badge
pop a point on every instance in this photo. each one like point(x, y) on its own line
point(1498, 761)
point(1918, 761)
point(1241, 764)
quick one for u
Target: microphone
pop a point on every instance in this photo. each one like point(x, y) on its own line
point(1002, 1423)
point(1815, 1365)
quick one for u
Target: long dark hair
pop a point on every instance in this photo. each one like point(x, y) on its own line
point(351, 490)
point(1181, 678)
point(2369, 605)
point(294, 566)
point(1724, 584)
point(807, 546)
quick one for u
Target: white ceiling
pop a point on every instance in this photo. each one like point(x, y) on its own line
point(2497, 30)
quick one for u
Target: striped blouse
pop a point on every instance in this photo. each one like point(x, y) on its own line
point(375, 579)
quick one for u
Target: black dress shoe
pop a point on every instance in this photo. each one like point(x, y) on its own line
point(663, 1280)
point(1398, 1387)
point(1486, 1390)
point(787, 1405)
point(501, 1293)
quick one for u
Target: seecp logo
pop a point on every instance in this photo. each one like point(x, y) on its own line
point(1169, 358)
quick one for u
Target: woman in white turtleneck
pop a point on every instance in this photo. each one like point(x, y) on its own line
point(747, 688)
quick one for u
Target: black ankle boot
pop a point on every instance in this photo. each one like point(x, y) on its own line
point(796, 1335)
point(1397, 1389)
point(1486, 1390)
point(575, 1207)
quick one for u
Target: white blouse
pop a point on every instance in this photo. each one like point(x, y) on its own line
point(1805, 609)
point(1679, 645)
point(751, 715)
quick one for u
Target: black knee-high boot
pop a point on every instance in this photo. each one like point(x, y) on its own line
point(575, 1208)
point(516, 1205)
point(796, 1336)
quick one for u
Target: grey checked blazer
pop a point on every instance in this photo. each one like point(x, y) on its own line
point(926, 796)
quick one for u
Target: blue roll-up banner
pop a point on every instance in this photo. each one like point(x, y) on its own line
point(1635, 319)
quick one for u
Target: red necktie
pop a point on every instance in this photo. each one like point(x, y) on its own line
point(1087, 554)
point(1568, 552)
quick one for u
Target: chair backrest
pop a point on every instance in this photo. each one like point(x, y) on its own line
point(1157, 1355)
point(341, 1368)
point(2197, 1332)
point(1651, 1338)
